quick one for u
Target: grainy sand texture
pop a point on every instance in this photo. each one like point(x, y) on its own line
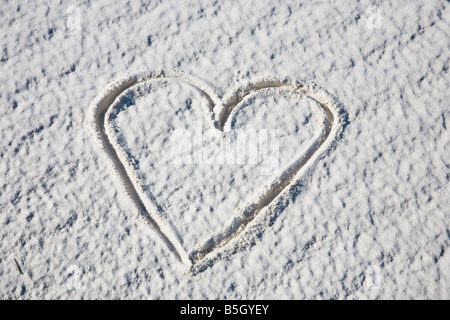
point(224, 150)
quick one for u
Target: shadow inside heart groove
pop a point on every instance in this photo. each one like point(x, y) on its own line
point(203, 169)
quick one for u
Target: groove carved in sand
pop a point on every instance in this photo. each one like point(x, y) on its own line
point(224, 242)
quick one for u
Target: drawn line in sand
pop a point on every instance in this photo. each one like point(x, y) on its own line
point(18, 266)
point(253, 218)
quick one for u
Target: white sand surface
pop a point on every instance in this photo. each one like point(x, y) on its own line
point(322, 169)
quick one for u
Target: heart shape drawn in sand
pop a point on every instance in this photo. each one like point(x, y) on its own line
point(252, 218)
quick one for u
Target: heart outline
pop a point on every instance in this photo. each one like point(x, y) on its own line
point(221, 244)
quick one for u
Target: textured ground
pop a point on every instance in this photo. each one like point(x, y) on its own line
point(379, 201)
